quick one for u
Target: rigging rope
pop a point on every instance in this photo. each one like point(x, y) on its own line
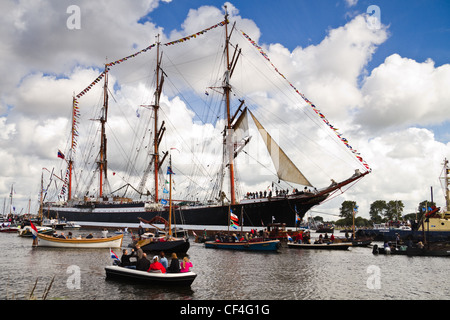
point(317, 111)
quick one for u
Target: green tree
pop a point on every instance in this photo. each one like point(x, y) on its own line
point(410, 216)
point(378, 211)
point(394, 209)
point(346, 210)
point(318, 219)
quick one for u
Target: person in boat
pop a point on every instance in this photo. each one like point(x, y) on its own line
point(320, 239)
point(332, 238)
point(387, 247)
point(174, 264)
point(143, 264)
point(61, 236)
point(186, 265)
point(156, 265)
point(140, 231)
point(89, 236)
point(410, 243)
point(163, 260)
point(299, 238)
point(137, 252)
point(125, 260)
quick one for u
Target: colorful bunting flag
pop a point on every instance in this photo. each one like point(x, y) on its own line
point(321, 115)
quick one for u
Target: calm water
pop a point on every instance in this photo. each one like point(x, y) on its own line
point(223, 275)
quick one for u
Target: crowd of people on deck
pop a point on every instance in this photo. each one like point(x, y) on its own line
point(305, 237)
point(278, 193)
point(70, 235)
point(253, 235)
point(158, 263)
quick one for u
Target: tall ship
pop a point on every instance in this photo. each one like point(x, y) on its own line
point(207, 191)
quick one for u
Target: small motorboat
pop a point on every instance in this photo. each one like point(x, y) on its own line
point(8, 229)
point(323, 246)
point(158, 244)
point(71, 226)
point(54, 223)
point(354, 243)
point(79, 243)
point(155, 278)
point(433, 250)
point(26, 231)
point(361, 243)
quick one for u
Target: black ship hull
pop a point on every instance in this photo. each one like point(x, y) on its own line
point(256, 213)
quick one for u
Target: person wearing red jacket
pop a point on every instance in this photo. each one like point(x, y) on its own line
point(156, 265)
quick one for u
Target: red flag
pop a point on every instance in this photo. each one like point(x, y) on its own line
point(34, 230)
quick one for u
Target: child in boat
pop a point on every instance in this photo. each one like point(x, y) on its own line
point(185, 265)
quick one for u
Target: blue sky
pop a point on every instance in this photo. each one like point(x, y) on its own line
point(417, 27)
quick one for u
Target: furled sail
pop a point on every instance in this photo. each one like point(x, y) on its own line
point(286, 169)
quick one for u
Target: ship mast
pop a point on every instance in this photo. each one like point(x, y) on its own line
point(41, 199)
point(227, 89)
point(158, 133)
point(170, 195)
point(102, 163)
point(447, 184)
point(72, 147)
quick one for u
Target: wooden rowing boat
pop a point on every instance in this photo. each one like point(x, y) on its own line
point(155, 278)
point(271, 245)
point(50, 241)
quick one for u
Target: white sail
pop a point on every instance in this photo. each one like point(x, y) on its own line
point(286, 169)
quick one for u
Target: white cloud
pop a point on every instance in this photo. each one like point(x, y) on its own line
point(351, 3)
point(402, 92)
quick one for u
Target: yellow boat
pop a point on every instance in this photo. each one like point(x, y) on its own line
point(435, 221)
point(81, 243)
